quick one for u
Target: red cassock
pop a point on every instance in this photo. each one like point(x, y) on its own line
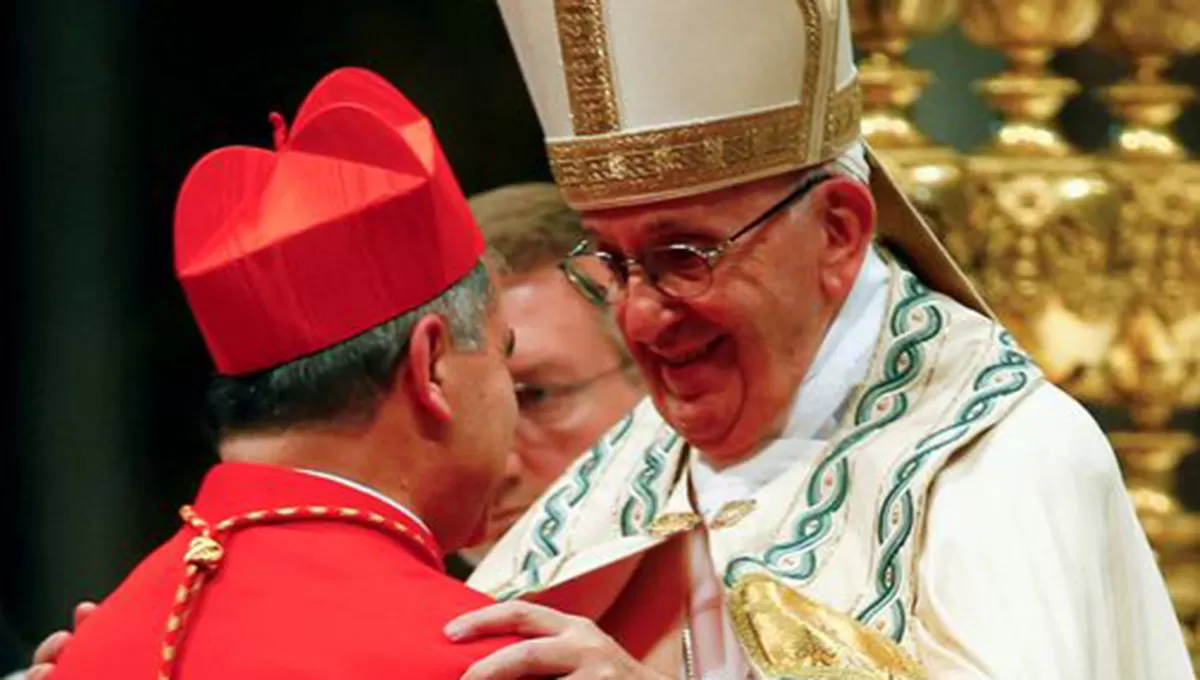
point(299, 577)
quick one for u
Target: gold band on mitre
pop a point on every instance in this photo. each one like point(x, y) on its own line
point(618, 169)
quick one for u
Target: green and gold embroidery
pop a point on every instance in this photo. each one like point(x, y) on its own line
point(916, 320)
point(559, 503)
point(642, 506)
point(1010, 375)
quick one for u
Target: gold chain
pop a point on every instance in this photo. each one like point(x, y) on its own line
point(689, 653)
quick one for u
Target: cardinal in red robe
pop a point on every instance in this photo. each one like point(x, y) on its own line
point(338, 283)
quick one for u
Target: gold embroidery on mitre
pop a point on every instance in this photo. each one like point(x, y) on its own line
point(733, 512)
point(786, 634)
point(583, 38)
point(672, 523)
point(621, 168)
point(658, 164)
point(842, 119)
point(814, 49)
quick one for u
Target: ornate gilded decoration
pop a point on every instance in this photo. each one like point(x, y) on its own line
point(732, 513)
point(1042, 216)
point(1045, 232)
point(672, 523)
point(814, 45)
point(842, 119)
point(930, 174)
point(594, 172)
point(1029, 31)
point(1154, 363)
point(623, 168)
point(587, 67)
point(785, 634)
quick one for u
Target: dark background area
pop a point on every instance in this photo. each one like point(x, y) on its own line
point(109, 103)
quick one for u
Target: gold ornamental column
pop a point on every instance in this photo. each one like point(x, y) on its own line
point(1044, 213)
point(1154, 365)
point(930, 174)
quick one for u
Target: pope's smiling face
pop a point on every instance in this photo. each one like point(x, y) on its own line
point(724, 365)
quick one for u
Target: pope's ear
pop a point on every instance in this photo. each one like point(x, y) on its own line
point(425, 371)
point(845, 210)
point(848, 212)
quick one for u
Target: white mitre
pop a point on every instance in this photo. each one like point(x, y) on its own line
point(647, 100)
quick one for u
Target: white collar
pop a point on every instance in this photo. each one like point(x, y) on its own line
point(362, 488)
point(840, 365)
point(844, 357)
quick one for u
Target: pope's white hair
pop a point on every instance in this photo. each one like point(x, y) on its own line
point(853, 162)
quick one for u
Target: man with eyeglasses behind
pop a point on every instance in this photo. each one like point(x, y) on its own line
point(573, 376)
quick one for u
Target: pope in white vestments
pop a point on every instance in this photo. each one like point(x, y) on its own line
point(891, 488)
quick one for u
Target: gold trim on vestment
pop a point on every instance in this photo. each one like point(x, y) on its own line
point(587, 66)
point(732, 513)
point(672, 523)
point(787, 634)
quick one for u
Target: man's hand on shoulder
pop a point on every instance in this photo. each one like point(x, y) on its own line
point(558, 645)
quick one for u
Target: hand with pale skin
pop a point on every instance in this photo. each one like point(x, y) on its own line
point(47, 653)
point(558, 645)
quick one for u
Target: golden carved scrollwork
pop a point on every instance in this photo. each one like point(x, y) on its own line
point(1154, 361)
point(930, 174)
point(1043, 230)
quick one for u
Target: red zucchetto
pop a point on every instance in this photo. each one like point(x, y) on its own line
point(353, 219)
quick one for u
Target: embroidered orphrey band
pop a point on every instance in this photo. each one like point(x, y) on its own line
point(586, 65)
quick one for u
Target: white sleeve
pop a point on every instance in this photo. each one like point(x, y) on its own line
point(1034, 565)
